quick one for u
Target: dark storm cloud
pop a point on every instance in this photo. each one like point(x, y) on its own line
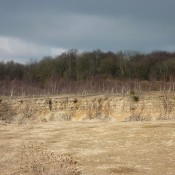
point(48, 26)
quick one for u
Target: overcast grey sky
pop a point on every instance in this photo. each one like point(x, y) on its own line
point(34, 28)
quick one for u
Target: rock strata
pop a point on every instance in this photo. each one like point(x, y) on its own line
point(80, 108)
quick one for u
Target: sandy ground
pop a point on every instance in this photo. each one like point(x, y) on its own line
point(101, 148)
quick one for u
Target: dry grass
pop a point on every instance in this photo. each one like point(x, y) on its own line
point(101, 148)
point(122, 169)
point(34, 160)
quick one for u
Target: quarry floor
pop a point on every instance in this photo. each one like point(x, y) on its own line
point(101, 148)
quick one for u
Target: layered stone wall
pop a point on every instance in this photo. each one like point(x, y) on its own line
point(102, 107)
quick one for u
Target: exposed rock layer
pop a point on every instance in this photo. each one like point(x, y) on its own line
point(117, 108)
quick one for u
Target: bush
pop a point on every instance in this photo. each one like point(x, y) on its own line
point(132, 92)
point(135, 98)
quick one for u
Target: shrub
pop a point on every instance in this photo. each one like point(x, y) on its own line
point(132, 92)
point(135, 98)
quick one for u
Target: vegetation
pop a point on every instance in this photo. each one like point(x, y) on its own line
point(73, 71)
point(36, 161)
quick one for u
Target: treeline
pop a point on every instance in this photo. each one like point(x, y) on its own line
point(82, 71)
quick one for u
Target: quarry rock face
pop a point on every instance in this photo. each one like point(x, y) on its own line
point(80, 108)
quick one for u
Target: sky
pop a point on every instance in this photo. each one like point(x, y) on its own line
point(32, 29)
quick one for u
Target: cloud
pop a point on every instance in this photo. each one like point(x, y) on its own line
point(20, 50)
point(57, 51)
point(170, 48)
point(38, 28)
point(91, 32)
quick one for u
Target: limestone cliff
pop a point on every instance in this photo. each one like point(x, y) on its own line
point(102, 107)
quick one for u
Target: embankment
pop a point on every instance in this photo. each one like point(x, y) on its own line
point(79, 108)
